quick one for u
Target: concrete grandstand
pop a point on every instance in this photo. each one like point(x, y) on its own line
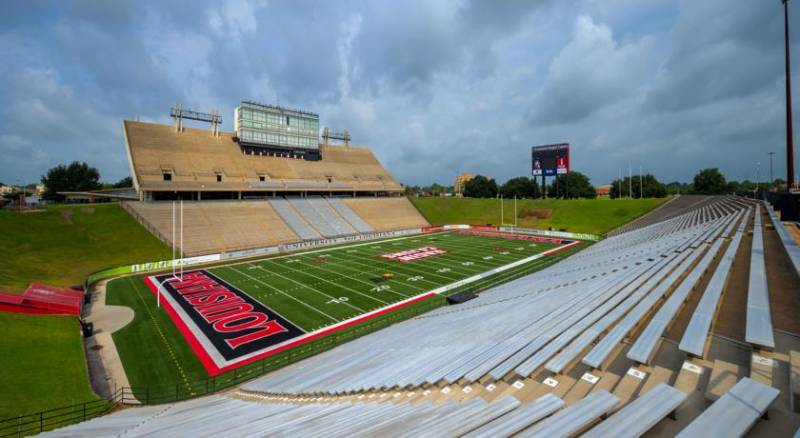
point(242, 195)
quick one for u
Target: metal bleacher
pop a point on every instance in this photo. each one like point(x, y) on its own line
point(735, 412)
point(789, 244)
point(294, 220)
point(350, 216)
point(640, 415)
point(575, 418)
point(312, 217)
point(340, 226)
point(696, 334)
point(758, 330)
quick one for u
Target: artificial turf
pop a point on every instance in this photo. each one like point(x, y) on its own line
point(315, 289)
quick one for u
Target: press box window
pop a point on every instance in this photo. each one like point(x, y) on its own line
point(262, 178)
point(167, 176)
point(219, 177)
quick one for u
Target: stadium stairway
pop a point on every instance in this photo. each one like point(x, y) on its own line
point(592, 344)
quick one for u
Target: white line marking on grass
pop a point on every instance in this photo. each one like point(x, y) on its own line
point(308, 287)
point(285, 294)
point(340, 286)
point(359, 280)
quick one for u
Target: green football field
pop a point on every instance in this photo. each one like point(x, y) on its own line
point(318, 290)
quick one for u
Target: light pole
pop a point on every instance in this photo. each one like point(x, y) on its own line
point(758, 169)
point(771, 178)
point(789, 140)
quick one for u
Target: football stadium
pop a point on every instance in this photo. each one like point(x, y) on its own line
point(278, 279)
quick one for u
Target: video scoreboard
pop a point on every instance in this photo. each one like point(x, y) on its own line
point(550, 160)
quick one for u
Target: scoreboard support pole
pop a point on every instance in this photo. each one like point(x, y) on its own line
point(544, 187)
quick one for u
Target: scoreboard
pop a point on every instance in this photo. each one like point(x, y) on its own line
point(550, 160)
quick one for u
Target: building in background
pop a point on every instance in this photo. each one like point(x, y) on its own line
point(603, 191)
point(458, 184)
point(277, 131)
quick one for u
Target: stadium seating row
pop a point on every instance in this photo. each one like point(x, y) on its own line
point(547, 416)
point(222, 226)
point(194, 158)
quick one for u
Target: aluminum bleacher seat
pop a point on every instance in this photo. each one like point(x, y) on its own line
point(789, 244)
point(641, 415)
point(329, 215)
point(350, 216)
point(696, 334)
point(519, 419)
point(294, 220)
point(735, 412)
point(305, 210)
point(575, 418)
point(758, 329)
point(218, 415)
point(644, 347)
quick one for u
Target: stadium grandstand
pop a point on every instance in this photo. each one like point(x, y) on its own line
point(269, 182)
point(682, 324)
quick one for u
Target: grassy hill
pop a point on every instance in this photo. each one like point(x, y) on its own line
point(597, 216)
point(64, 244)
point(43, 365)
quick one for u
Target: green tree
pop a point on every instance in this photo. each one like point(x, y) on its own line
point(73, 177)
point(521, 187)
point(434, 189)
point(710, 182)
point(648, 184)
point(480, 187)
point(678, 188)
point(123, 183)
point(412, 190)
point(571, 185)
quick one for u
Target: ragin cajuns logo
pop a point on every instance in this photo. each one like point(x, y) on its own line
point(414, 254)
point(233, 322)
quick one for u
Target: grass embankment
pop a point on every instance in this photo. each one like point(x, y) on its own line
point(43, 364)
point(596, 216)
point(66, 243)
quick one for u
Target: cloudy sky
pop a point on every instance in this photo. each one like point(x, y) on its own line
point(433, 87)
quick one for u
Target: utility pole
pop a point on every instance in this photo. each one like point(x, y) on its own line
point(789, 140)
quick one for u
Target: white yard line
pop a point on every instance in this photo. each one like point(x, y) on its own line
point(335, 284)
point(366, 282)
point(315, 290)
point(283, 293)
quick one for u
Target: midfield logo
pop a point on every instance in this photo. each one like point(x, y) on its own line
point(414, 254)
